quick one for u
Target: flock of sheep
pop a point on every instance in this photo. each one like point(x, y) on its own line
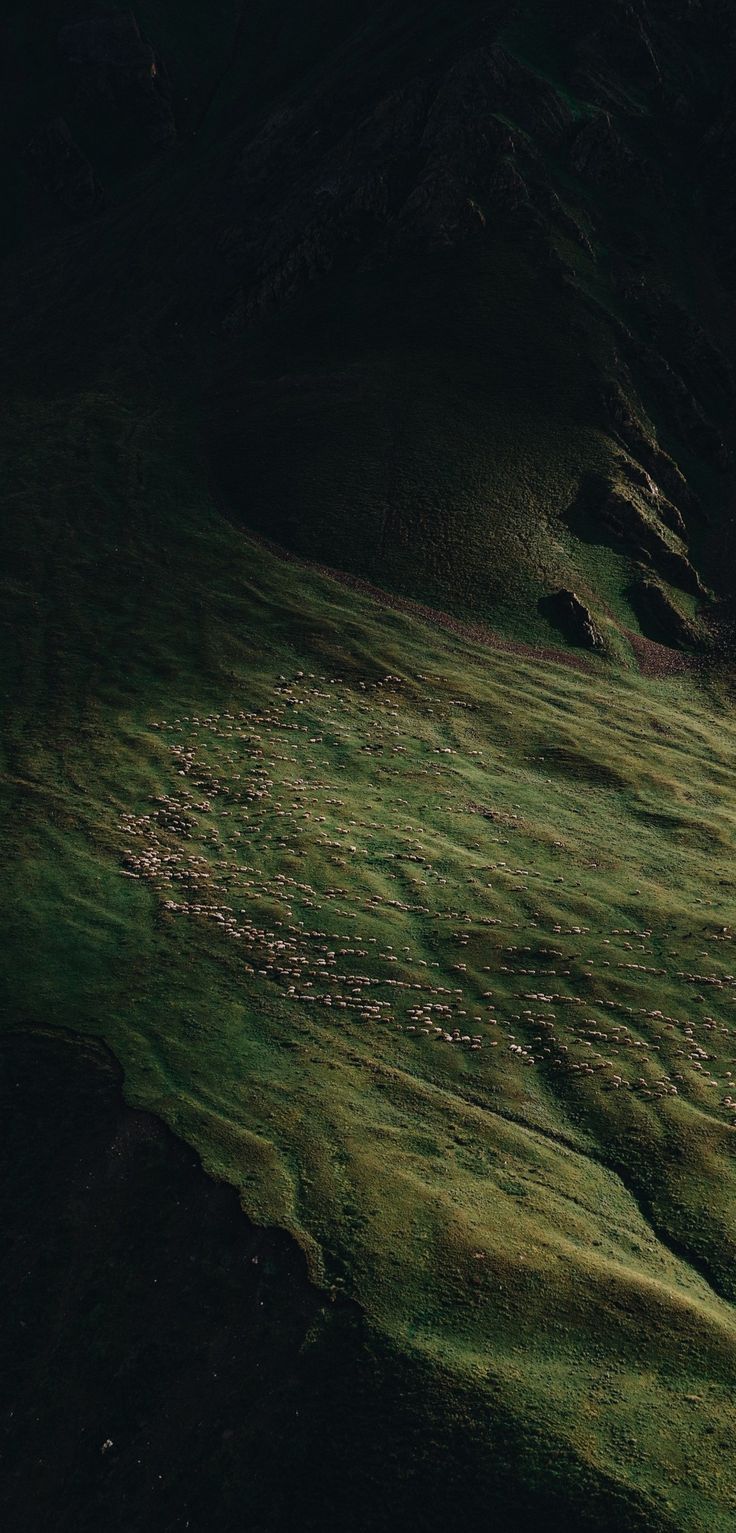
point(288, 829)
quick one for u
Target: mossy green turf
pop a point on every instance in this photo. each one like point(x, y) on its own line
point(557, 1247)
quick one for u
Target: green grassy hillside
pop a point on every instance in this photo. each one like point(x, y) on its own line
point(423, 944)
point(367, 762)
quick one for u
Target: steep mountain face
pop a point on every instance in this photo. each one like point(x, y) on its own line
point(453, 285)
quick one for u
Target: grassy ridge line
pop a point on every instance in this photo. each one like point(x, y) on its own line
point(384, 1152)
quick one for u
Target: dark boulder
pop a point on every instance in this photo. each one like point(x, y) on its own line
point(573, 618)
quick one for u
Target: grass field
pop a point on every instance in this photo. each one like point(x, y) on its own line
point(424, 945)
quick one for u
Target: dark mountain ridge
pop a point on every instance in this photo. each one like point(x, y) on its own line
point(441, 278)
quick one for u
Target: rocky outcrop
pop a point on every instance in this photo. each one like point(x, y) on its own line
point(629, 429)
point(573, 619)
point(650, 493)
point(599, 155)
point(631, 521)
point(437, 164)
point(660, 619)
point(688, 416)
point(718, 148)
point(628, 511)
point(617, 48)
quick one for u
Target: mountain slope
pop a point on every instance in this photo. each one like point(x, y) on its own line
point(453, 290)
point(367, 760)
point(289, 853)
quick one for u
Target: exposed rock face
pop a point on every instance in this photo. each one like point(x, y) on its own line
point(718, 152)
point(690, 419)
point(660, 619)
point(572, 163)
point(573, 618)
point(651, 494)
point(428, 167)
point(59, 165)
point(630, 512)
point(111, 60)
point(634, 526)
point(630, 430)
point(599, 155)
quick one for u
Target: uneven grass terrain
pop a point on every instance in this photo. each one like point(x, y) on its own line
point(425, 946)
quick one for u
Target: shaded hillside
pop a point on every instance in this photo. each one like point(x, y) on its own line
point(170, 1365)
point(451, 285)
